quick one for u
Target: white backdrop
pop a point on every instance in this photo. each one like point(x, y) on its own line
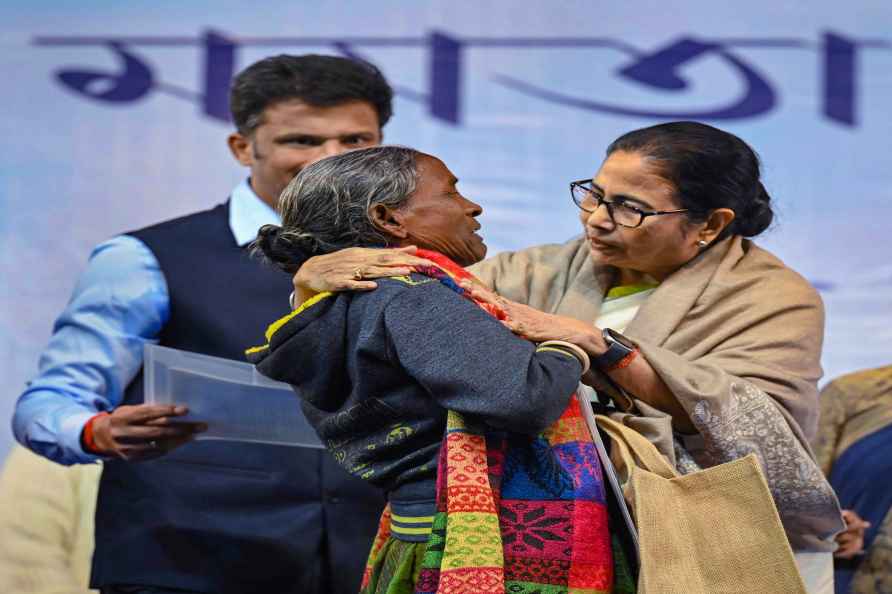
point(113, 118)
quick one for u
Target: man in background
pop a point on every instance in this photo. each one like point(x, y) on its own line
point(853, 448)
point(173, 514)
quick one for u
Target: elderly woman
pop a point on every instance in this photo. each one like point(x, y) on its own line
point(377, 373)
point(711, 341)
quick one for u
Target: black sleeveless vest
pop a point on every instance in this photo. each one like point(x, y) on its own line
point(217, 516)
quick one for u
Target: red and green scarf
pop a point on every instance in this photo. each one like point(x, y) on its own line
point(515, 513)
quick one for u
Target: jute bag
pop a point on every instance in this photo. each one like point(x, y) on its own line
point(710, 532)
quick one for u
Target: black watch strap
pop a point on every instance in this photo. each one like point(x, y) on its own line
point(618, 347)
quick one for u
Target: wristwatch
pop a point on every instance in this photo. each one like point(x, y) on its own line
point(618, 348)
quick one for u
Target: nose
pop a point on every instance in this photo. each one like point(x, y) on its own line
point(599, 218)
point(473, 209)
point(332, 147)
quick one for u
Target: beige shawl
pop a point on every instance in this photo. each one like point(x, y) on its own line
point(736, 336)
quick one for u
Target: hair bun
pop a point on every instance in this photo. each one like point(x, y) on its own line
point(757, 215)
point(268, 233)
point(279, 249)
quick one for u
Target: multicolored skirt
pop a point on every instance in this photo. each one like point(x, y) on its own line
point(396, 568)
point(514, 514)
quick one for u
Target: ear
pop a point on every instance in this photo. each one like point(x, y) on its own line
point(240, 147)
point(718, 220)
point(388, 221)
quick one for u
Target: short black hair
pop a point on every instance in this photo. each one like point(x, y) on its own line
point(321, 81)
point(709, 168)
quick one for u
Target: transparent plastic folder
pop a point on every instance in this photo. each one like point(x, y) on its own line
point(236, 402)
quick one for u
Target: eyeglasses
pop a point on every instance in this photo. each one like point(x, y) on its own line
point(625, 215)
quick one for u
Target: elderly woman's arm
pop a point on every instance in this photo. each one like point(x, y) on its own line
point(468, 362)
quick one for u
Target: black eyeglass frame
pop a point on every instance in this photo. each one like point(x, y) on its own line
point(586, 185)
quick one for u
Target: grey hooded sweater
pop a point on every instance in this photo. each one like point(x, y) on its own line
point(377, 371)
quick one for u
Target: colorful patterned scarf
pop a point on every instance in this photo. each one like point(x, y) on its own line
point(515, 513)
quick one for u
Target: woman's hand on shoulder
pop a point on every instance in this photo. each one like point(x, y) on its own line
point(352, 269)
point(539, 326)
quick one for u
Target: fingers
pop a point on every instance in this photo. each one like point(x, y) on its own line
point(147, 433)
point(515, 327)
point(848, 551)
point(846, 538)
point(404, 256)
point(362, 286)
point(144, 431)
point(141, 414)
point(395, 258)
point(149, 450)
point(483, 294)
point(353, 285)
point(854, 521)
point(369, 272)
point(851, 541)
point(487, 296)
point(859, 527)
point(174, 421)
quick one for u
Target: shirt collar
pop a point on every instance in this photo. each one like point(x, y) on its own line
point(247, 213)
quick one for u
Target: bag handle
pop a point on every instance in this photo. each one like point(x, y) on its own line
point(634, 449)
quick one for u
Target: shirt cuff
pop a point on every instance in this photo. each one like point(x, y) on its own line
point(70, 437)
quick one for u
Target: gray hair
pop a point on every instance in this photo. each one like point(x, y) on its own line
point(326, 206)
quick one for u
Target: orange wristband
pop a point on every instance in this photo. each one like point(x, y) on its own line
point(87, 438)
point(624, 362)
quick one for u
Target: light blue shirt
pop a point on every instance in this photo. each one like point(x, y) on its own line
point(119, 304)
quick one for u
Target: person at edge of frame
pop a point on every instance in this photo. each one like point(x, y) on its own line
point(174, 514)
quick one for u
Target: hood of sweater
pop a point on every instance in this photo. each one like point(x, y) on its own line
point(306, 349)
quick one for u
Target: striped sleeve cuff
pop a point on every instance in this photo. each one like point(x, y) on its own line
point(566, 348)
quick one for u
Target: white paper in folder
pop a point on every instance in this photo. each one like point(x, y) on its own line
point(236, 402)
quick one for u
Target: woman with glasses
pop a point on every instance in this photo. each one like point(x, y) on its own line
point(710, 342)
